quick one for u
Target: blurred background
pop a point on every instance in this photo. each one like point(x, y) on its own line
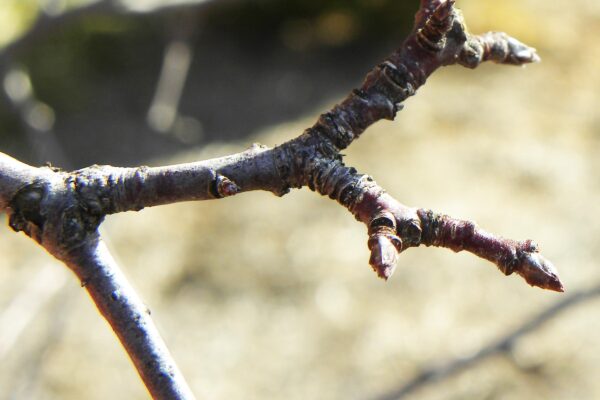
point(266, 298)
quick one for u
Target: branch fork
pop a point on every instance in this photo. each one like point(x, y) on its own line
point(62, 210)
point(440, 38)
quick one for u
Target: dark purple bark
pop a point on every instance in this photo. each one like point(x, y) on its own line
point(62, 210)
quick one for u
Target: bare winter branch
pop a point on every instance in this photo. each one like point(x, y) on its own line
point(440, 38)
point(47, 205)
point(13, 175)
point(62, 210)
point(497, 47)
point(509, 255)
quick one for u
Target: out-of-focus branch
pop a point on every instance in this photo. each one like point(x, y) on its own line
point(176, 62)
point(35, 116)
point(503, 345)
point(163, 113)
point(26, 305)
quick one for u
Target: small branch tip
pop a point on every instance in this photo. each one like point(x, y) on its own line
point(538, 271)
point(519, 53)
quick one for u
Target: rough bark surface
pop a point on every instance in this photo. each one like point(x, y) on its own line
point(63, 210)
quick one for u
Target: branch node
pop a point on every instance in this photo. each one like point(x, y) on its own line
point(432, 36)
point(25, 213)
point(224, 187)
point(411, 231)
point(471, 55)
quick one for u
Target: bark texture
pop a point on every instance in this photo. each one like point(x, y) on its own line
point(63, 210)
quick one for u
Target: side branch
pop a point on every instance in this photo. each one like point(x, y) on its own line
point(501, 346)
point(440, 38)
point(394, 227)
point(509, 255)
point(130, 319)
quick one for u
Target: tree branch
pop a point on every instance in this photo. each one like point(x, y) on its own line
point(62, 210)
point(46, 205)
point(130, 319)
point(13, 175)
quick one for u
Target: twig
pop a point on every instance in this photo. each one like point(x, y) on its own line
point(130, 319)
point(503, 345)
point(63, 210)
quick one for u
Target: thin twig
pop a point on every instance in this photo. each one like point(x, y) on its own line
point(502, 345)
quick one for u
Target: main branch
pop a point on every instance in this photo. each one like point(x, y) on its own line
point(62, 210)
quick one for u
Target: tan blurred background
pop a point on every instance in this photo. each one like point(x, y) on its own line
point(267, 298)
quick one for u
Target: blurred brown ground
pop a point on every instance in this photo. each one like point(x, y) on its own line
point(267, 298)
